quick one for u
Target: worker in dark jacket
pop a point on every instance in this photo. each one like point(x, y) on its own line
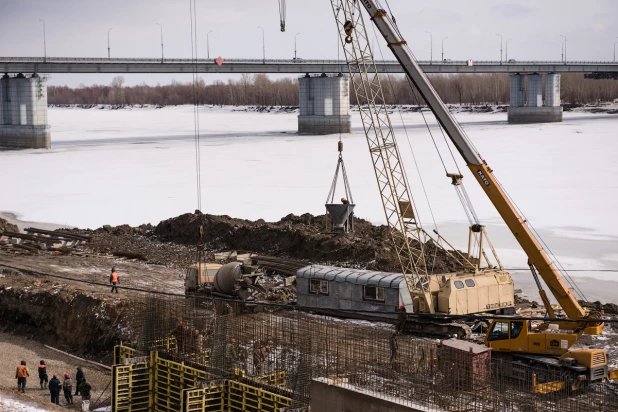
point(67, 388)
point(85, 389)
point(113, 280)
point(21, 374)
point(43, 374)
point(54, 389)
point(79, 379)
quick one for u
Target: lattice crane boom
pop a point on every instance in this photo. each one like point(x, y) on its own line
point(404, 228)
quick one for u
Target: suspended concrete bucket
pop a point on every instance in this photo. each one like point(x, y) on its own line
point(342, 222)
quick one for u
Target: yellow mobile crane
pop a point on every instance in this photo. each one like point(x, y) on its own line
point(515, 337)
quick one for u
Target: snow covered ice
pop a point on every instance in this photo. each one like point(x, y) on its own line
point(138, 165)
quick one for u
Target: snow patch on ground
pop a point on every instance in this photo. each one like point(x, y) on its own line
point(8, 404)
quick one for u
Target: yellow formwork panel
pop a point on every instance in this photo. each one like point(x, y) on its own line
point(121, 353)
point(273, 379)
point(130, 387)
point(243, 397)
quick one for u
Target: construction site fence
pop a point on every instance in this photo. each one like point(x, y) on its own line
point(206, 350)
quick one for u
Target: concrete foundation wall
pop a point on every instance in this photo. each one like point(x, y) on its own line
point(534, 114)
point(333, 398)
point(23, 113)
point(324, 124)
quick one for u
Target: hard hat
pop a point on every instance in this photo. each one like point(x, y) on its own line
point(233, 340)
point(66, 375)
point(197, 331)
point(343, 199)
point(55, 376)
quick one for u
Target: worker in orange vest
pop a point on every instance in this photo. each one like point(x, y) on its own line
point(113, 279)
point(21, 374)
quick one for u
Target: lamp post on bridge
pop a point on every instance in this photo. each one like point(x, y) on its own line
point(564, 49)
point(506, 57)
point(208, 44)
point(108, 48)
point(45, 42)
point(430, 47)
point(500, 47)
point(443, 48)
point(615, 50)
point(263, 45)
point(161, 41)
point(295, 45)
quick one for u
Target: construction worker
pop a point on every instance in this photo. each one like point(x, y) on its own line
point(231, 352)
point(394, 347)
point(198, 342)
point(345, 201)
point(21, 374)
point(67, 388)
point(79, 379)
point(54, 389)
point(113, 280)
point(43, 374)
point(85, 389)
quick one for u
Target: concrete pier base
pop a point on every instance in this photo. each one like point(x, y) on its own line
point(324, 124)
point(534, 114)
point(324, 104)
point(25, 137)
point(23, 112)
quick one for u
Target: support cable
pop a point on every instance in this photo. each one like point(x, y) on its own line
point(196, 118)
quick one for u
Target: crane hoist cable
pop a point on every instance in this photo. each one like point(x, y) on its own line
point(282, 12)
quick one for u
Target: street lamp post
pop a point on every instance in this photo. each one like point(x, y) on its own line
point(208, 44)
point(615, 51)
point(108, 48)
point(564, 49)
point(443, 48)
point(295, 45)
point(44, 42)
point(500, 47)
point(506, 57)
point(430, 47)
point(161, 41)
point(263, 45)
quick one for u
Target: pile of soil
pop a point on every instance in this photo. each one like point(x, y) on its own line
point(298, 237)
point(5, 226)
point(608, 308)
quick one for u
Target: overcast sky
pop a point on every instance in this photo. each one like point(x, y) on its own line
point(78, 28)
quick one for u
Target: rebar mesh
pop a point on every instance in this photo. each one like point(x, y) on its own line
point(283, 350)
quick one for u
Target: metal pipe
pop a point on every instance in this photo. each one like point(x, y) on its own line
point(161, 41)
point(45, 42)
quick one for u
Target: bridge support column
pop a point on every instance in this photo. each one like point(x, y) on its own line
point(324, 104)
point(534, 111)
point(23, 112)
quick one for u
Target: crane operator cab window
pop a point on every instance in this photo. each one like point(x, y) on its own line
point(500, 331)
point(516, 328)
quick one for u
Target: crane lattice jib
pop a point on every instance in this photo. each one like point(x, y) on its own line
point(479, 168)
point(399, 209)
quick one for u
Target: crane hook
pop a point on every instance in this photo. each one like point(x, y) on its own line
point(348, 27)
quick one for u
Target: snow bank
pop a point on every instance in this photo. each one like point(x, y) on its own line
point(8, 404)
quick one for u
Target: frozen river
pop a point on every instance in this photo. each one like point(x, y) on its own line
point(138, 166)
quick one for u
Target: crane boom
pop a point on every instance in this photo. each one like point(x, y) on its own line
point(479, 168)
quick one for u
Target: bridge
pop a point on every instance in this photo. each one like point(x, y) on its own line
point(53, 65)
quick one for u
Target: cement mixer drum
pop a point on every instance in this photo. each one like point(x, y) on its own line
point(227, 277)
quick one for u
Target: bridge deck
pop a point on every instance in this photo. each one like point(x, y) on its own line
point(299, 66)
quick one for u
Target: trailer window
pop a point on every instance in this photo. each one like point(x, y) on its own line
point(373, 293)
point(516, 328)
point(470, 283)
point(500, 331)
point(318, 286)
point(459, 284)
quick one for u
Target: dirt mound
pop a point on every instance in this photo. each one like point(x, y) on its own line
point(609, 308)
point(298, 237)
point(7, 227)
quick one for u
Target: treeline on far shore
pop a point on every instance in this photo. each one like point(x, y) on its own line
point(260, 90)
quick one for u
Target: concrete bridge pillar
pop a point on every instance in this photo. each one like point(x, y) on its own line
point(23, 112)
point(324, 104)
point(533, 111)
